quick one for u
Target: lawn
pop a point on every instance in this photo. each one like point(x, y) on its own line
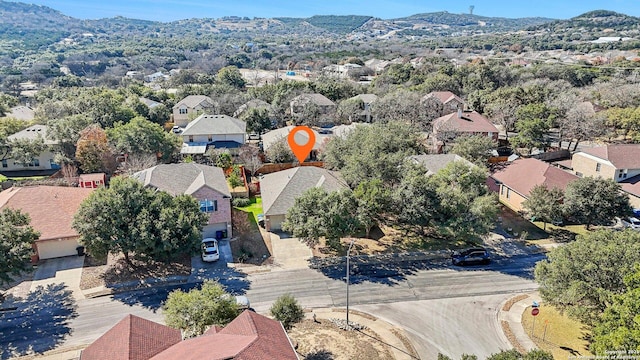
point(255, 208)
point(564, 336)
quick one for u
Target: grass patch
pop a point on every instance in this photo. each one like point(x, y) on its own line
point(564, 337)
point(515, 225)
point(576, 229)
point(254, 208)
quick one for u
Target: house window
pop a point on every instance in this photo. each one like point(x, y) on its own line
point(208, 205)
point(210, 137)
point(4, 163)
point(578, 174)
point(508, 193)
point(183, 111)
point(190, 138)
point(598, 167)
point(502, 190)
point(35, 162)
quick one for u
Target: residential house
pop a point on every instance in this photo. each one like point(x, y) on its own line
point(156, 77)
point(51, 210)
point(149, 103)
point(301, 137)
point(92, 181)
point(324, 106)
point(221, 131)
point(248, 336)
point(620, 163)
point(340, 71)
point(207, 184)
point(448, 127)
point(252, 104)
point(446, 101)
point(515, 181)
point(377, 65)
point(280, 190)
point(436, 162)
point(192, 105)
point(43, 162)
point(21, 112)
point(367, 101)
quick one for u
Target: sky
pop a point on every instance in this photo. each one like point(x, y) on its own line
point(170, 10)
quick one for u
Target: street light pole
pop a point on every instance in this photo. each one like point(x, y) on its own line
point(348, 251)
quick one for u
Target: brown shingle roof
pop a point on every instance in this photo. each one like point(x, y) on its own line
point(249, 336)
point(444, 96)
point(470, 121)
point(133, 338)
point(622, 156)
point(51, 208)
point(523, 174)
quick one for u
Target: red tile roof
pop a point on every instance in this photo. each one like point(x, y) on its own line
point(133, 338)
point(51, 208)
point(523, 174)
point(470, 121)
point(622, 156)
point(250, 336)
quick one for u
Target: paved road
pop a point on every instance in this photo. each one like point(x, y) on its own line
point(406, 285)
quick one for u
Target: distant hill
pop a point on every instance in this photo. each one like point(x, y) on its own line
point(470, 20)
point(339, 24)
point(594, 21)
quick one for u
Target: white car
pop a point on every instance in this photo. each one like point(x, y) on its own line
point(210, 251)
point(631, 222)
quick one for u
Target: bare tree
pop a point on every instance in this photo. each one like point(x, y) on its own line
point(249, 156)
point(137, 162)
point(581, 123)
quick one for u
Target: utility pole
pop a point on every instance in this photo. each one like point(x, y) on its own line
point(348, 252)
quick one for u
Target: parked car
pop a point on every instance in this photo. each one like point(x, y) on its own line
point(470, 256)
point(260, 218)
point(254, 136)
point(210, 250)
point(176, 130)
point(243, 302)
point(631, 222)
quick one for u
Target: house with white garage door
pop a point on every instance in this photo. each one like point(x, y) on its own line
point(51, 210)
point(206, 184)
point(280, 190)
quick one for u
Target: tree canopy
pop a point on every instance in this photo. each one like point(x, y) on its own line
point(595, 201)
point(131, 219)
point(544, 204)
point(140, 136)
point(16, 245)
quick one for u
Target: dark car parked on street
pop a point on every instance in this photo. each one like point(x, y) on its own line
point(470, 256)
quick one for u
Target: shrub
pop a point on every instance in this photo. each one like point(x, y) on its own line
point(241, 202)
point(234, 180)
point(287, 310)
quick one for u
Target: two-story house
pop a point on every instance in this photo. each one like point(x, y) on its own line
point(446, 128)
point(446, 101)
point(221, 131)
point(367, 101)
point(620, 163)
point(192, 105)
point(206, 184)
point(325, 107)
point(44, 162)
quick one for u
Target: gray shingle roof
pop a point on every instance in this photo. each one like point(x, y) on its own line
point(193, 101)
point(436, 162)
point(32, 133)
point(215, 124)
point(185, 178)
point(280, 189)
point(317, 99)
point(366, 98)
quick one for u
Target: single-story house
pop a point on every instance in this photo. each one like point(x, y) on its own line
point(44, 161)
point(207, 184)
point(221, 131)
point(515, 181)
point(92, 181)
point(191, 105)
point(436, 162)
point(51, 210)
point(280, 190)
point(248, 336)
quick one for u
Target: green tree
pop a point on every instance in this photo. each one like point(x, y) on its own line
point(317, 213)
point(584, 276)
point(17, 243)
point(544, 204)
point(465, 207)
point(531, 134)
point(195, 311)
point(512, 354)
point(25, 150)
point(477, 149)
point(159, 114)
point(619, 326)
point(279, 152)
point(230, 76)
point(140, 136)
point(595, 201)
point(258, 120)
point(373, 152)
point(130, 219)
point(374, 200)
point(415, 199)
point(287, 310)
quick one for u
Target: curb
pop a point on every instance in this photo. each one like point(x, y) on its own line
point(134, 285)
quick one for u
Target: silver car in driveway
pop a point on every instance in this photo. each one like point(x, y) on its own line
point(210, 251)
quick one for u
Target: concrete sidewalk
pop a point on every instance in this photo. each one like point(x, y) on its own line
point(514, 318)
point(394, 338)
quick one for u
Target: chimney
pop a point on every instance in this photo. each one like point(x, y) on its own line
point(459, 113)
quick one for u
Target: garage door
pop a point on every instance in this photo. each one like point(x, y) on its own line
point(57, 248)
point(209, 231)
point(275, 222)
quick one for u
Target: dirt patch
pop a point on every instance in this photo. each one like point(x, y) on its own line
point(249, 245)
point(323, 340)
point(116, 271)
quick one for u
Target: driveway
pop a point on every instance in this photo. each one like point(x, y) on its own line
point(201, 270)
point(289, 253)
point(66, 270)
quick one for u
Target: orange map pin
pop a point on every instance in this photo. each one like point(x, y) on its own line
point(296, 137)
